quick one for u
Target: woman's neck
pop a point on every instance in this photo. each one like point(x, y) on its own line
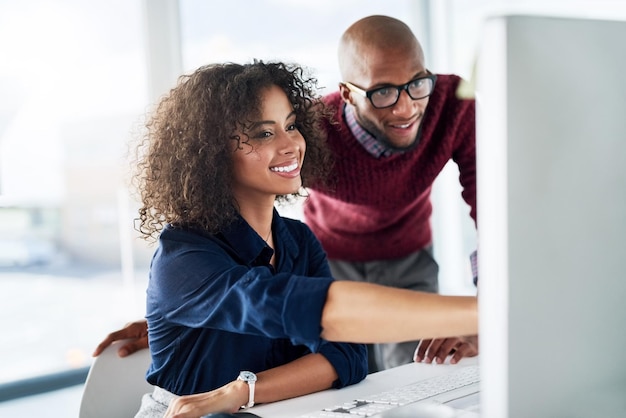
point(259, 216)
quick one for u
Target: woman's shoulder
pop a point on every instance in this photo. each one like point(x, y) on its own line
point(298, 229)
point(183, 234)
point(295, 225)
point(175, 241)
point(188, 250)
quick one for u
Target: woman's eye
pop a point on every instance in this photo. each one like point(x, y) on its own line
point(263, 135)
point(292, 127)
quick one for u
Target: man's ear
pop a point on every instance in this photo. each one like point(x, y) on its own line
point(344, 91)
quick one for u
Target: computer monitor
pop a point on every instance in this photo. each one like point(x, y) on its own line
point(551, 155)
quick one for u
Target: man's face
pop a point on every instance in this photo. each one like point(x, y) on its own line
point(398, 124)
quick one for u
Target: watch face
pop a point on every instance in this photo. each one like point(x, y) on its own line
point(247, 376)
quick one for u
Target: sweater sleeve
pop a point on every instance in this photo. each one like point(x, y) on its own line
point(465, 153)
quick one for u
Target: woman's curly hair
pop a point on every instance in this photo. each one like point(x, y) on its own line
point(184, 158)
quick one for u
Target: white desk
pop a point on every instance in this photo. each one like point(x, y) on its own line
point(373, 383)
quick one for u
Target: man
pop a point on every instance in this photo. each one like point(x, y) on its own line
point(397, 127)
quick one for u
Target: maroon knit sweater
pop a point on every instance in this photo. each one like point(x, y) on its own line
point(380, 209)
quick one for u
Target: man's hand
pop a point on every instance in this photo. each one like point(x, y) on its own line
point(137, 334)
point(228, 398)
point(439, 349)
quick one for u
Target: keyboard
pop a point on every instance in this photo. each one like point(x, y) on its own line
point(433, 387)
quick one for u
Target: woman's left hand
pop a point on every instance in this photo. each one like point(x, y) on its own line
point(228, 398)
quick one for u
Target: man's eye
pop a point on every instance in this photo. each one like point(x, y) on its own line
point(419, 85)
point(384, 92)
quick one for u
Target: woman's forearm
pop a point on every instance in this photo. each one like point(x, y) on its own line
point(368, 313)
point(308, 374)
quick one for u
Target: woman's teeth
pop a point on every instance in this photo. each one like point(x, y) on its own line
point(285, 169)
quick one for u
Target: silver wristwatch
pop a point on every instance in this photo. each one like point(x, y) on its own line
point(250, 379)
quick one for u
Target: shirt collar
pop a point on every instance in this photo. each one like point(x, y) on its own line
point(252, 249)
point(366, 139)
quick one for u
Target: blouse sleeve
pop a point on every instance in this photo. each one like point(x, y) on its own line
point(236, 299)
point(348, 360)
point(201, 284)
point(204, 286)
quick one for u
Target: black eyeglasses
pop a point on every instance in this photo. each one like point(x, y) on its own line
point(387, 96)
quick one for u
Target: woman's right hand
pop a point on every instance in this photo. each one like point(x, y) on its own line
point(137, 334)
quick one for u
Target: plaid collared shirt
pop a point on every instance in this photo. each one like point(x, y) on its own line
point(369, 141)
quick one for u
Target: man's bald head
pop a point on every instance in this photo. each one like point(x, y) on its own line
point(374, 33)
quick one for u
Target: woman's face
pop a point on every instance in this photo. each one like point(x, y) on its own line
point(270, 153)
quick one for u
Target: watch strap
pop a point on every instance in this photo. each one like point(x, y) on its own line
point(250, 379)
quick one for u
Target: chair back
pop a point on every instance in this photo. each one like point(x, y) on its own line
point(115, 385)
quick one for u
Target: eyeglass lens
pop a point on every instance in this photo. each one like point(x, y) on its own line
point(388, 96)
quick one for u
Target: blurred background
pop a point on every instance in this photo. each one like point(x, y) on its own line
point(76, 79)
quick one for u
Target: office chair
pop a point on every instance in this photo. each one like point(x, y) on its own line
point(115, 385)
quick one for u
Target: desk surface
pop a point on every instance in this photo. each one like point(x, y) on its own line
point(373, 383)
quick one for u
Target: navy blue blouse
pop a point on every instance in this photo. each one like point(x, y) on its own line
point(215, 306)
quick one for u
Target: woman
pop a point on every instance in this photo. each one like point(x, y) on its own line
point(219, 150)
point(233, 286)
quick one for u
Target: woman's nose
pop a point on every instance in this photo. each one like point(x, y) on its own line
point(290, 142)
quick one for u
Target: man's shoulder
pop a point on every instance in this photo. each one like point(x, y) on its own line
point(447, 84)
point(447, 96)
point(332, 99)
point(448, 77)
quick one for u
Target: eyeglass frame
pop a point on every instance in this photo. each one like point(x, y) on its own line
point(368, 93)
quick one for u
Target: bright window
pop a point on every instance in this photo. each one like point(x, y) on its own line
point(72, 77)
